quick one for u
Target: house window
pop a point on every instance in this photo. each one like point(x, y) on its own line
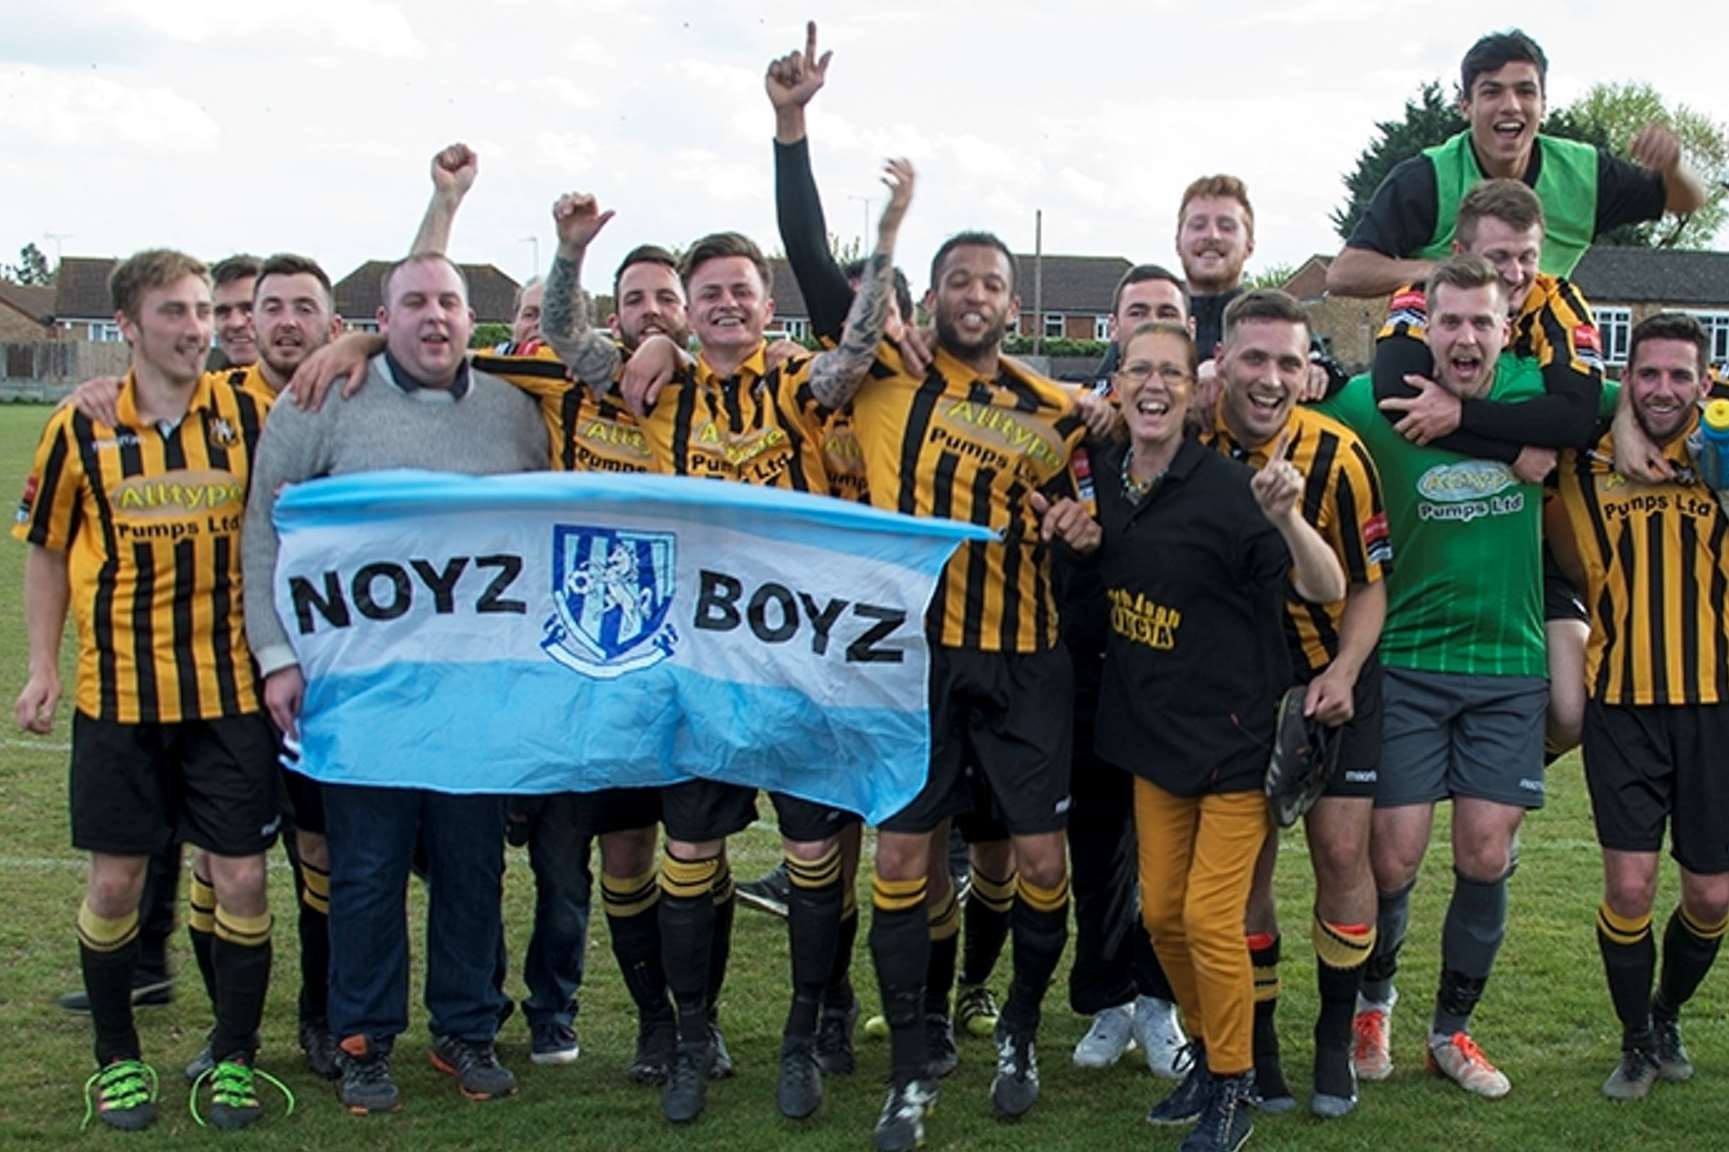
point(1053, 325)
point(1716, 325)
point(1101, 327)
point(1015, 324)
point(105, 332)
point(1615, 325)
point(795, 327)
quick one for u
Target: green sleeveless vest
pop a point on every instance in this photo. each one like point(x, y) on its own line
point(1566, 184)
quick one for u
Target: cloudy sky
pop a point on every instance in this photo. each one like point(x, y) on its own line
point(222, 125)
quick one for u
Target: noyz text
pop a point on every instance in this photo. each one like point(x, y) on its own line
point(776, 614)
point(386, 589)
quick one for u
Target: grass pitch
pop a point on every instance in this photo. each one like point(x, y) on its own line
point(1546, 1019)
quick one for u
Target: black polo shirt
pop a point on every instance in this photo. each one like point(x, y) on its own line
point(1195, 659)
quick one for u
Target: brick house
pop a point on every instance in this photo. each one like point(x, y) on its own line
point(83, 309)
point(491, 293)
point(26, 313)
point(1625, 285)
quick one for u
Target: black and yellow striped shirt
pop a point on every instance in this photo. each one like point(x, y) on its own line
point(1342, 501)
point(585, 433)
point(757, 426)
point(960, 446)
point(150, 517)
point(1656, 563)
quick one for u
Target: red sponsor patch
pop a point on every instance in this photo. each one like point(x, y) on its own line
point(1375, 528)
point(27, 502)
point(1585, 338)
point(1083, 467)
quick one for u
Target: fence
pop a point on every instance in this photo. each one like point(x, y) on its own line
point(47, 371)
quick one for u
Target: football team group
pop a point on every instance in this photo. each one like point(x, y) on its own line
point(1228, 588)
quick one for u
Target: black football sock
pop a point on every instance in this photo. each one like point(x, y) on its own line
point(900, 947)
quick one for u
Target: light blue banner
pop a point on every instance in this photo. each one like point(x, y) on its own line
point(567, 632)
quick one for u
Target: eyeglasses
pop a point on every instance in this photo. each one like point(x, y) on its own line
point(1140, 373)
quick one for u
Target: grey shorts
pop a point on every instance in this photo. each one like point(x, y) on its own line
point(1445, 735)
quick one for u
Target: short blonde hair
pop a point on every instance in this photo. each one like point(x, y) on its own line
point(151, 268)
point(1223, 187)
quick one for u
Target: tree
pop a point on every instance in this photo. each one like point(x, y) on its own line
point(32, 267)
point(1273, 276)
point(1430, 118)
point(1610, 115)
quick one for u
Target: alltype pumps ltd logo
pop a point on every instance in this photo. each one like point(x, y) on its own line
point(612, 591)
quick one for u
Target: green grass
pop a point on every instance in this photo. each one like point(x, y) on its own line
point(1546, 1019)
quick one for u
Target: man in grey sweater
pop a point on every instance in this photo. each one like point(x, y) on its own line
point(424, 408)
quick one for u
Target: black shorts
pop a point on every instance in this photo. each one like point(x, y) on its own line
point(1560, 598)
point(304, 804)
point(137, 787)
point(1661, 763)
point(702, 810)
point(982, 823)
point(1357, 771)
point(591, 813)
point(1010, 714)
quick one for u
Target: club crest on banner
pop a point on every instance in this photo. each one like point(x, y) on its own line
point(612, 590)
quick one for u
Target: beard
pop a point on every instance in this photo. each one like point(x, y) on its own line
point(1658, 433)
point(949, 335)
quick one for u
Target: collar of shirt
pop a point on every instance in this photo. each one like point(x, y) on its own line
point(1543, 287)
point(126, 408)
point(409, 383)
point(755, 367)
point(1220, 435)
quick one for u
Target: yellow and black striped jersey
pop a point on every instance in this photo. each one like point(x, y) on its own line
point(1342, 501)
point(957, 445)
point(1656, 564)
point(250, 378)
point(1554, 325)
point(757, 426)
point(585, 433)
point(150, 518)
point(843, 456)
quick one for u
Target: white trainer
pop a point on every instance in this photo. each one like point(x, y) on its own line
point(1160, 1037)
point(1111, 1034)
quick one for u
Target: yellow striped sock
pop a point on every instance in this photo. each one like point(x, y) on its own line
point(1043, 899)
point(723, 885)
point(688, 879)
point(246, 931)
point(1623, 929)
point(201, 902)
point(945, 917)
point(994, 894)
point(315, 888)
point(1339, 949)
point(896, 895)
point(818, 873)
point(629, 895)
point(103, 935)
point(1703, 931)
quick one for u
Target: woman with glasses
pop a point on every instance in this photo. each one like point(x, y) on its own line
point(1195, 554)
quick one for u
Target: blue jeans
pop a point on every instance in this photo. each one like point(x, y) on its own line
point(558, 851)
point(372, 834)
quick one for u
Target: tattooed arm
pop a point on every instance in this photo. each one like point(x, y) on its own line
point(565, 322)
point(837, 373)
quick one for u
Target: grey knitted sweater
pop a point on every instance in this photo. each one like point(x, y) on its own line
point(487, 427)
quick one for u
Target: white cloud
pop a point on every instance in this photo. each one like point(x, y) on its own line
point(370, 26)
point(64, 111)
point(567, 152)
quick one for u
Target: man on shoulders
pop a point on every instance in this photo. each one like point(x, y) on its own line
point(1409, 225)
